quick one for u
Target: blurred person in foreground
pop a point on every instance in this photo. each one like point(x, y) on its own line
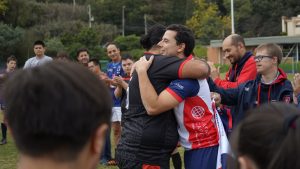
point(268, 138)
point(57, 123)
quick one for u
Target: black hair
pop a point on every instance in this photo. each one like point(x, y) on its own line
point(62, 55)
point(57, 117)
point(81, 50)
point(153, 36)
point(39, 42)
point(184, 35)
point(112, 43)
point(270, 136)
point(126, 56)
point(11, 58)
point(95, 61)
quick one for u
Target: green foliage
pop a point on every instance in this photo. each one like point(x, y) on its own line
point(289, 67)
point(3, 6)
point(200, 51)
point(90, 38)
point(129, 42)
point(206, 22)
point(54, 45)
point(223, 67)
point(136, 53)
point(9, 40)
point(261, 17)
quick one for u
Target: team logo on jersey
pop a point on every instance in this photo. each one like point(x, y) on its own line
point(287, 99)
point(198, 112)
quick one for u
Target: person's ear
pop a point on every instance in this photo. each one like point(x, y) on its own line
point(246, 163)
point(181, 47)
point(240, 45)
point(275, 60)
point(99, 138)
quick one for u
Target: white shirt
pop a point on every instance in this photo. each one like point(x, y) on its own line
point(35, 61)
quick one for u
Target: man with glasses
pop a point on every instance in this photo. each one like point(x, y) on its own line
point(271, 84)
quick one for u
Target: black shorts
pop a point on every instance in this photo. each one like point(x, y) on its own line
point(129, 164)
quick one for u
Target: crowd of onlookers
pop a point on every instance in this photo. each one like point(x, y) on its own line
point(61, 113)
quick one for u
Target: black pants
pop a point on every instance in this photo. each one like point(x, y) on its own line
point(4, 130)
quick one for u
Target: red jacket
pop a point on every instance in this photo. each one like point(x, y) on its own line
point(239, 73)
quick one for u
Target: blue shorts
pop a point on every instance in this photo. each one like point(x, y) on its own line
point(203, 158)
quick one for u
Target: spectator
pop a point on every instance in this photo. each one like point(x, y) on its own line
point(61, 122)
point(40, 58)
point(114, 69)
point(122, 82)
point(11, 65)
point(243, 66)
point(83, 56)
point(95, 67)
point(242, 69)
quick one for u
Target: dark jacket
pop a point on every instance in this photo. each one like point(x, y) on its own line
point(254, 93)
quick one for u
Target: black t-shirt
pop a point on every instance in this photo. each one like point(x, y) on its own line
point(150, 139)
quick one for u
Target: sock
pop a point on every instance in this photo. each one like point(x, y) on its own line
point(176, 159)
point(3, 129)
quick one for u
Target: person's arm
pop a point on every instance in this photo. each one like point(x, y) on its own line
point(153, 103)
point(248, 73)
point(118, 92)
point(121, 84)
point(228, 96)
point(194, 69)
point(287, 94)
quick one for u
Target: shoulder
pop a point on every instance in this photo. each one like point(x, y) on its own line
point(185, 83)
point(28, 61)
point(48, 58)
point(287, 84)
point(164, 58)
point(250, 63)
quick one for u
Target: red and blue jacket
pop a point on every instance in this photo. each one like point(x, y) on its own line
point(240, 72)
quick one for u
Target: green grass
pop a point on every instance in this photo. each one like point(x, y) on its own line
point(9, 154)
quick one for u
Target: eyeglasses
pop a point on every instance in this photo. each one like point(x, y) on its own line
point(260, 57)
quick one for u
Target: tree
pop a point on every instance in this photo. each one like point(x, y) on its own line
point(206, 23)
point(9, 40)
point(261, 17)
point(130, 44)
point(3, 6)
point(54, 45)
